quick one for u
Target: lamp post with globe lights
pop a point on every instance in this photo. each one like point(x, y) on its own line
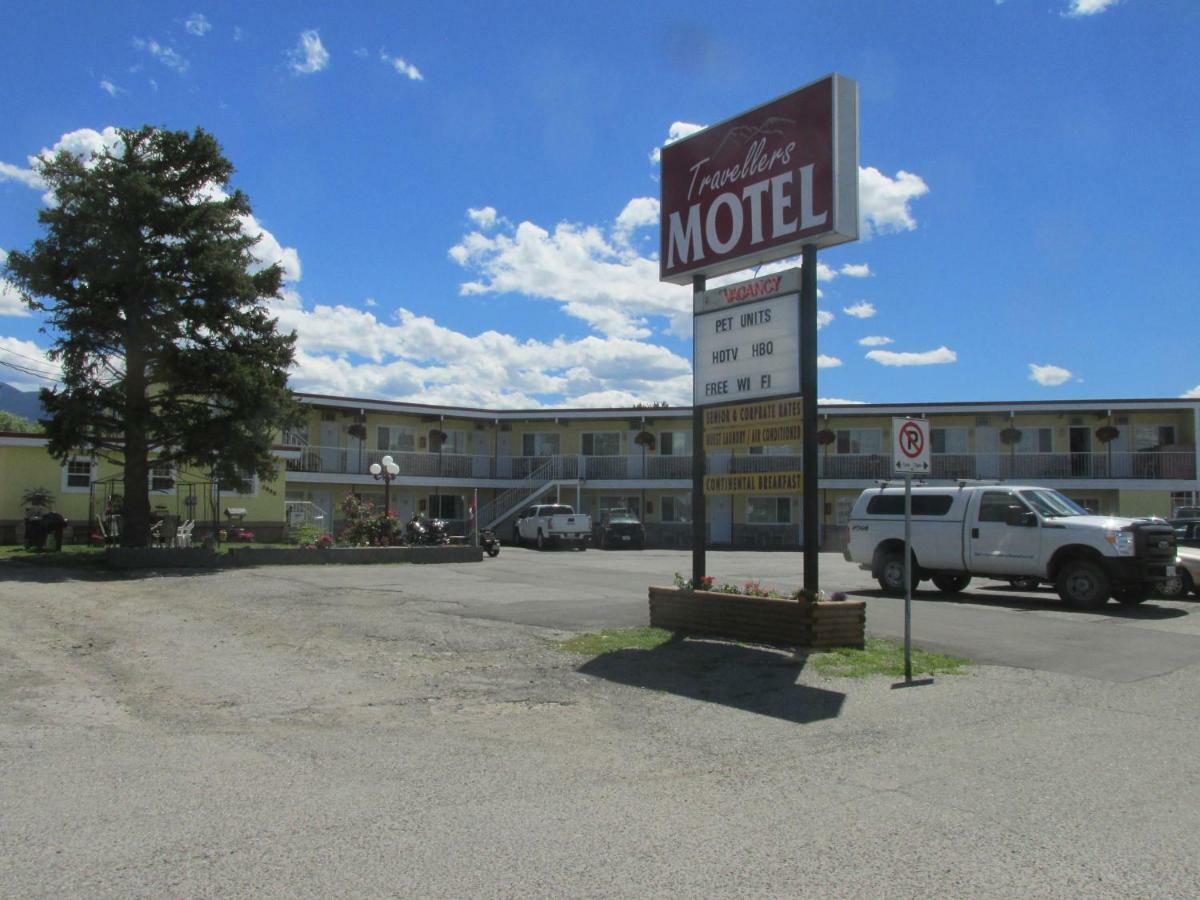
point(385, 470)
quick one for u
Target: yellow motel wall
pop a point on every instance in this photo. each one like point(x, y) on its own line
point(25, 464)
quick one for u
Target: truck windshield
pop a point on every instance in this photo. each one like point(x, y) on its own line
point(1051, 504)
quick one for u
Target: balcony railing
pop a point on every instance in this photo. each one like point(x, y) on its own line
point(1165, 465)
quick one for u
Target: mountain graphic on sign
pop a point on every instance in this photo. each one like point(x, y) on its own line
point(744, 135)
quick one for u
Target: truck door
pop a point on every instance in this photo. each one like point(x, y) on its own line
point(1005, 535)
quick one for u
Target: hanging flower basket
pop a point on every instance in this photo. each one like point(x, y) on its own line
point(1010, 436)
point(357, 430)
point(825, 437)
point(1107, 433)
point(644, 439)
point(436, 439)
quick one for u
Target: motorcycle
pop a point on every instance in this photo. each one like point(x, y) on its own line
point(489, 542)
point(427, 532)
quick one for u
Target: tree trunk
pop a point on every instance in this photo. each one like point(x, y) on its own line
point(135, 524)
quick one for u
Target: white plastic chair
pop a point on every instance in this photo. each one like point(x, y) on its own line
point(183, 534)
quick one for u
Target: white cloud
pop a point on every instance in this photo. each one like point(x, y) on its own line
point(1079, 8)
point(197, 24)
point(362, 52)
point(929, 358)
point(856, 270)
point(1193, 394)
point(824, 317)
point(27, 177)
point(10, 299)
point(827, 362)
point(860, 310)
point(484, 217)
point(408, 70)
point(109, 88)
point(639, 212)
point(164, 55)
point(590, 270)
point(341, 350)
point(310, 54)
point(874, 340)
point(1048, 376)
point(883, 203)
point(677, 132)
point(31, 358)
point(370, 302)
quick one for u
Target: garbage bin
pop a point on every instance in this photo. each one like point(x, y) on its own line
point(35, 532)
point(53, 525)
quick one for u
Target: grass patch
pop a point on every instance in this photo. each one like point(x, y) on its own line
point(881, 657)
point(596, 643)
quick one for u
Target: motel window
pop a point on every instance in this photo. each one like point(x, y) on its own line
point(162, 477)
point(446, 506)
point(676, 509)
point(601, 443)
point(77, 474)
point(1152, 437)
point(859, 440)
point(948, 440)
point(393, 437)
point(768, 510)
point(675, 443)
point(540, 443)
point(1036, 440)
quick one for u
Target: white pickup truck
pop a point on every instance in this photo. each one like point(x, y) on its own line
point(1008, 532)
point(548, 524)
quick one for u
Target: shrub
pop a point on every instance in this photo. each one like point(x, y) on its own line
point(368, 525)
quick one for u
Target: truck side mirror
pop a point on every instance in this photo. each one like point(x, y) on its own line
point(1020, 517)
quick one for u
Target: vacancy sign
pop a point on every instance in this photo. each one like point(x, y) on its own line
point(910, 446)
point(760, 186)
point(746, 339)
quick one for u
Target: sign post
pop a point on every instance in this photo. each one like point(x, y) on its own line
point(910, 453)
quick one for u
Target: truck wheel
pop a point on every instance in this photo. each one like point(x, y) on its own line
point(951, 584)
point(1025, 583)
point(891, 573)
point(541, 540)
point(516, 536)
point(1082, 584)
point(582, 545)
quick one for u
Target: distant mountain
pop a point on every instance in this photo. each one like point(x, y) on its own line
point(20, 403)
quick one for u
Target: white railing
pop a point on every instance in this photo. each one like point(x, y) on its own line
point(1145, 465)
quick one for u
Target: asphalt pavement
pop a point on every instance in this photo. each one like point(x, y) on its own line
point(415, 731)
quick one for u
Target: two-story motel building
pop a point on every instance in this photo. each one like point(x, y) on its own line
point(641, 458)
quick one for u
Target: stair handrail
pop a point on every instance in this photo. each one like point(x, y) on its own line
point(512, 499)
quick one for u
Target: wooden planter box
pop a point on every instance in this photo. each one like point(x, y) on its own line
point(763, 620)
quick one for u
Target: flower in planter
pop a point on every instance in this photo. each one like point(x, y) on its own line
point(838, 596)
point(687, 584)
point(805, 595)
point(324, 542)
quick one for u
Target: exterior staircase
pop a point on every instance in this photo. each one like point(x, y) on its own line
point(504, 505)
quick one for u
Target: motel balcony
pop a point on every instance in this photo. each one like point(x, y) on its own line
point(1116, 466)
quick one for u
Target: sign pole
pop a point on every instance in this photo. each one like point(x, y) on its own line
point(808, 391)
point(907, 578)
point(699, 513)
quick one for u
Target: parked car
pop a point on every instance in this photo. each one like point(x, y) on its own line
point(621, 528)
point(1187, 532)
point(1186, 579)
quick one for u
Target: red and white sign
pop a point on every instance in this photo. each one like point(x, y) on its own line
point(759, 186)
point(910, 446)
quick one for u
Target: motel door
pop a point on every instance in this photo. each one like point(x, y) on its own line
point(720, 519)
point(331, 453)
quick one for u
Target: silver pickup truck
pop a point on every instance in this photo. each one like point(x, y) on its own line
point(549, 524)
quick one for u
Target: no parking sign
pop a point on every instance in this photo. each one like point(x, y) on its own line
point(910, 445)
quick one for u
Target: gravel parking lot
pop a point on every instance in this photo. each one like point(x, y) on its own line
point(413, 730)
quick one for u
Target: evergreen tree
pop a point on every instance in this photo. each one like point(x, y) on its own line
point(156, 306)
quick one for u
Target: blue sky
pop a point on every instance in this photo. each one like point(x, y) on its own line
point(465, 202)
